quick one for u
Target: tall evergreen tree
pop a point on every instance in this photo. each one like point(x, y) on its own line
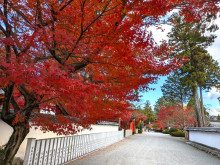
point(148, 112)
point(161, 102)
point(190, 42)
point(175, 90)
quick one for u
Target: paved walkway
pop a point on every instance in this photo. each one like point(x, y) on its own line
point(148, 149)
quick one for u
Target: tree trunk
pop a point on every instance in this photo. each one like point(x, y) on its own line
point(202, 109)
point(183, 111)
point(197, 105)
point(11, 148)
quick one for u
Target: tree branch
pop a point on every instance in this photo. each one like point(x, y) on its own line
point(80, 65)
point(20, 13)
point(29, 97)
point(3, 30)
point(67, 4)
point(14, 104)
point(44, 101)
point(39, 12)
point(7, 99)
point(83, 31)
point(62, 109)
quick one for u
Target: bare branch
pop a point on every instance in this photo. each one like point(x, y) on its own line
point(62, 109)
point(20, 13)
point(42, 58)
point(5, 8)
point(80, 65)
point(44, 101)
point(67, 4)
point(3, 30)
point(39, 12)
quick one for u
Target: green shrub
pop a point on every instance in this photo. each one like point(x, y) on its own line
point(173, 130)
point(166, 131)
point(1, 149)
point(178, 133)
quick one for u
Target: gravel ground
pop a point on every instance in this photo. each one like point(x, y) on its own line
point(148, 149)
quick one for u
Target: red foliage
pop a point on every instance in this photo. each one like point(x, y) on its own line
point(88, 56)
point(174, 117)
point(18, 118)
point(139, 117)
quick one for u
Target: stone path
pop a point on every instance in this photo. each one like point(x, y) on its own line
point(148, 149)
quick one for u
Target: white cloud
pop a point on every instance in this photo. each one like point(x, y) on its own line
point(143, 105)
point(213, 94)
point(152, 106)
point(160, 34)
point(214, 112)
point(214, 49)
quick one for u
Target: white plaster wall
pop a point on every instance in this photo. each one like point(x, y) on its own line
point(128, 132)
point(211, 139)
point(6, 131)
point(99, 128)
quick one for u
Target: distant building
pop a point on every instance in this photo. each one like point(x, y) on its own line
point(214, 124)
point(213, 118)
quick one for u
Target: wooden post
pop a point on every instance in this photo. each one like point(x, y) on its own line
point(50, 152)
point(46, 152)
point(64, 150)
point(42, 149)
point(53, 161)
point(61, 150)
point(37, 151)
point(76, 146)
point(29, 153)
point(57, 151)
point(67, 149)
point(72, 148)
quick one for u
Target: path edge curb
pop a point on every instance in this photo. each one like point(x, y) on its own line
point(210, 150)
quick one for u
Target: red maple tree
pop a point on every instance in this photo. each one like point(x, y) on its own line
point(79, 59)
point(174, 117)
point(139, 117)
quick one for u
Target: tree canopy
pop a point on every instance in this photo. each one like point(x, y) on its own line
point(81, 60)
point(175, 89)
point(199, 69)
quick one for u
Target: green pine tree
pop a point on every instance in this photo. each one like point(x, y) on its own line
point(148, 112)
point(200, 69)
point(175, 90)
point(161, 102)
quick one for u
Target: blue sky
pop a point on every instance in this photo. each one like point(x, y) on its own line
point(210, 98)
